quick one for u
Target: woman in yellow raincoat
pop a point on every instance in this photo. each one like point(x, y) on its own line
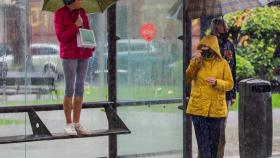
point(211, 77)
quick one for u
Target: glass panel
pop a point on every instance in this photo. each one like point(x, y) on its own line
point(11, 125)
point(43, 69)
point(46, 61)
point(97, 88)
point(14, 56)
point(156, 131)
point(13, 61)
point(149, 66)
point(149, 55)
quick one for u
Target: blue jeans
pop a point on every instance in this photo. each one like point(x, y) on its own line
point(207, 131)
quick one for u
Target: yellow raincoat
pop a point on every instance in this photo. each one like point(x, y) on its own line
point(205, 99)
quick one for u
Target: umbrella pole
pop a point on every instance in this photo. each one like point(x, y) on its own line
point(187, 54)
point(205, 22)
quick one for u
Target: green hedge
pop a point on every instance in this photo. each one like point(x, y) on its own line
point(244, 68)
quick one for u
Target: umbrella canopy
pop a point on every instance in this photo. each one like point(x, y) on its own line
point(91, 6)
point(275, 3)
point(176, 11)
point(199, 8)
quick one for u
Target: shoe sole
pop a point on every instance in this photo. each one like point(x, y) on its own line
point(81, 133)
point(71, 134)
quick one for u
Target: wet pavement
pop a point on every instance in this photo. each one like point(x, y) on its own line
point(232, 143)
point(151, 132)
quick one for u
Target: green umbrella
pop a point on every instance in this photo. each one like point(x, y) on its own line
point(91, 6)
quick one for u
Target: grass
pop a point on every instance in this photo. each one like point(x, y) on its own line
point(4, 122)
point(275, 102)
point(125, 93)
point(128, 93)
point(101, 94)
point(152, 92)
point(170, 108)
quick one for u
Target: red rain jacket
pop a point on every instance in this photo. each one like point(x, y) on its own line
point(66, 32)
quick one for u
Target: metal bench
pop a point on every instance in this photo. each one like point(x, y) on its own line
point(30, 83)
point(41, 132)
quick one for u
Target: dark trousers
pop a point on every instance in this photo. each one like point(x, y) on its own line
point(207, 131)
point(222, 141)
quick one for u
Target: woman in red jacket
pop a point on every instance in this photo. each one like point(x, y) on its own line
point(68, 20)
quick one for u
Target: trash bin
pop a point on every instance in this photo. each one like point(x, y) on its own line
point(255, 118)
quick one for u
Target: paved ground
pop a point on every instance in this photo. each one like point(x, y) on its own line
point(232, 145)
point(151, 132)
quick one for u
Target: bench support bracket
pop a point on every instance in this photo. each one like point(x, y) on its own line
point(38, 127)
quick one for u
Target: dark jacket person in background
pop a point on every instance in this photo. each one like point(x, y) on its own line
point(219, 29)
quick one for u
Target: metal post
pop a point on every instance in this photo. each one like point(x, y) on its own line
point(187, 53)
point(112, 75)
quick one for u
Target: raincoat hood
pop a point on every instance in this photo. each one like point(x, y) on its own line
point(210, 41)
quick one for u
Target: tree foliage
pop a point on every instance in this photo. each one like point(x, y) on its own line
point(256, 35)
point(244, 68)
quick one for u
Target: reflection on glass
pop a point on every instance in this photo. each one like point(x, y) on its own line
point(155, 130)
point(11, 125)
point(148, 69)
point(149, 66)
point(31, 69)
